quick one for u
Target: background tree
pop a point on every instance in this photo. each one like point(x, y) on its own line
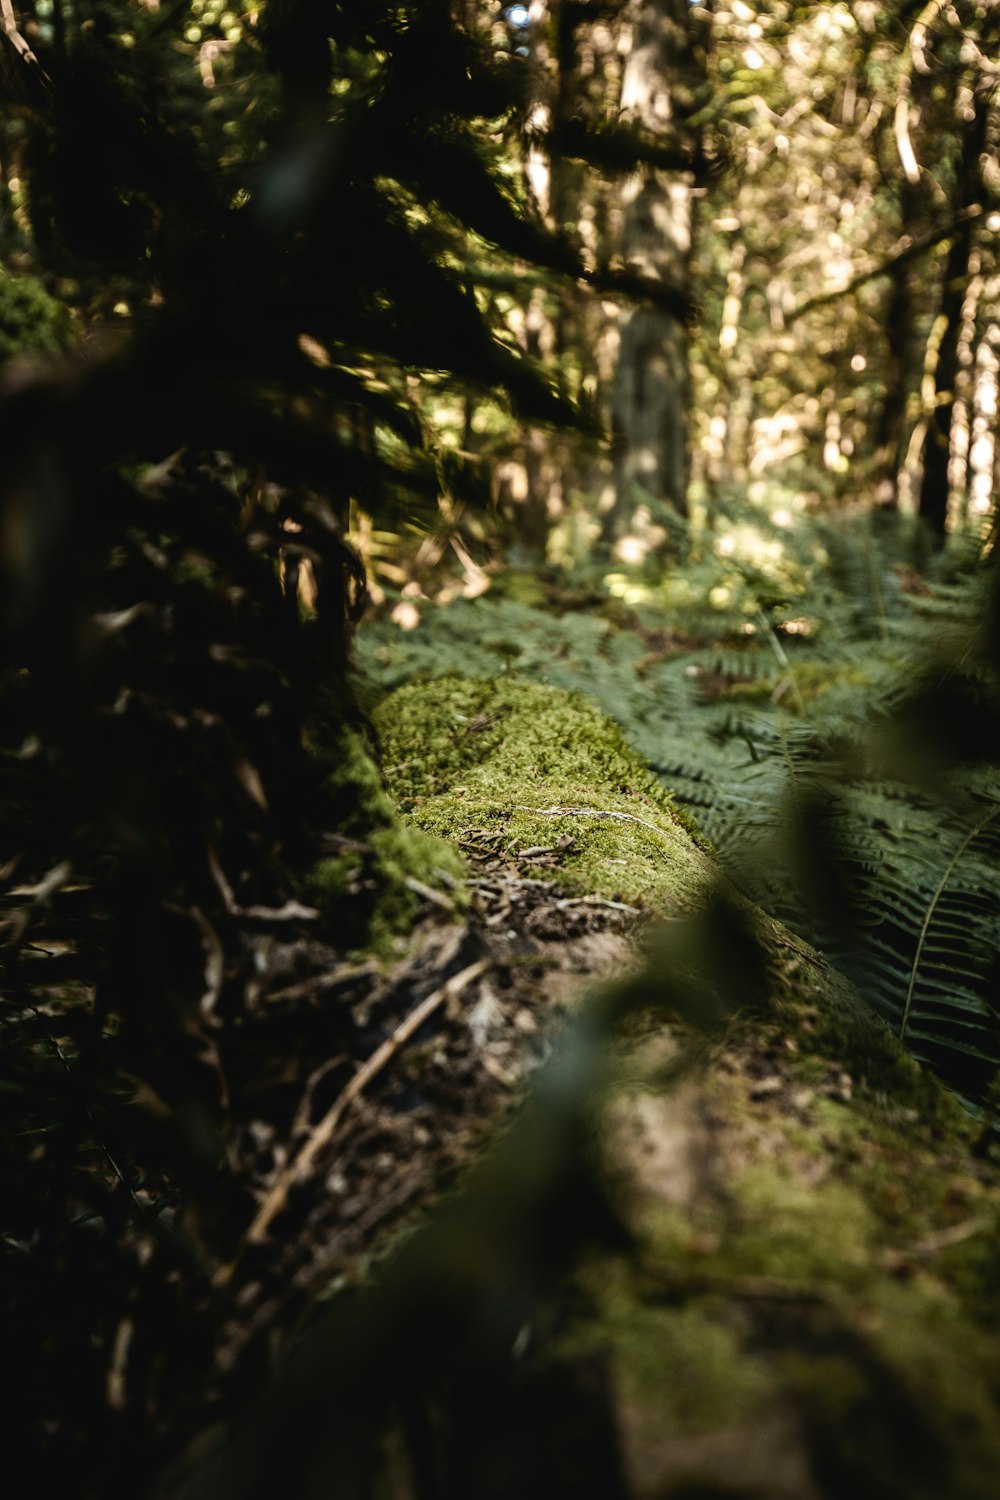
point(652, 392)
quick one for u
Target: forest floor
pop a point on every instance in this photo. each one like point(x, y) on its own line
point(791, 1294)
point(489, 990)
point(798, 1303)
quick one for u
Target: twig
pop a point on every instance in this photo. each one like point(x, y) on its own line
point(428, 893)
point(954, 1234)
point(597, 901)
point(590, 812)
point(8, 23)
point(292, 911)
point(324, 1131)
point(331, 979)
point(898, 257)
point(932, 1244)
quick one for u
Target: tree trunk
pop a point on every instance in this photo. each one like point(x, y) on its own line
point(935, 484)
point(651, 395)
point(891, 420)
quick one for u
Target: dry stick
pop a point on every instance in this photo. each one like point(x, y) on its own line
point(590, 812)
point(569, 901)
point(323, 1134)
point(428, 893)
point(8, 21)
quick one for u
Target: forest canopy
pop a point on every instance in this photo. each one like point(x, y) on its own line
point(397, 397)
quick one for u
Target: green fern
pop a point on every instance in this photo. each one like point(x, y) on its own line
point(796, 755)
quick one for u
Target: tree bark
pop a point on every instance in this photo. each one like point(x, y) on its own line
point(651, 394)
point(935, 484)
point(891, 420)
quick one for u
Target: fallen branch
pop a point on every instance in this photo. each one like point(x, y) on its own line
point(898, 257)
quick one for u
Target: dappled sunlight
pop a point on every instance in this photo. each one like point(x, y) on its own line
point(478, 482)
point(405, 614)
point(574, 536)
point(644, 538)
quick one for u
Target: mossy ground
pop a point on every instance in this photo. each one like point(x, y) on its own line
point(827, 1274)
point(808, 1307)
point(370, 886)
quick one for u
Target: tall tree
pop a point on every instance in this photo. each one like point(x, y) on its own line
point(942, 367)
point(652, 390)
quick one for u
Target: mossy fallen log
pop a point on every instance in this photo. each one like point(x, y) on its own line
point(737, 1245)
point(519, 766)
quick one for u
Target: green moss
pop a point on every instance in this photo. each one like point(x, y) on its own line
point(832, 1273)
point(828, 1275)
point(784, 1301)
point(789, 1228)
point(526, 766)
point(819, 1013)
point(683, 1367)
point(370, 886)
point(31, 322)
point(899, 1401)
point(834, 1279)
point(895, 1397)
point(848, 1032)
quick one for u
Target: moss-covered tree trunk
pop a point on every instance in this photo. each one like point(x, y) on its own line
point(735, 1245)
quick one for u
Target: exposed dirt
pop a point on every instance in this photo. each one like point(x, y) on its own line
point(442, 1044)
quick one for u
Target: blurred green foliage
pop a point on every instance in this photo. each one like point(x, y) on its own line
point(264, 239)
point(31, 321)
point(304, 238)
